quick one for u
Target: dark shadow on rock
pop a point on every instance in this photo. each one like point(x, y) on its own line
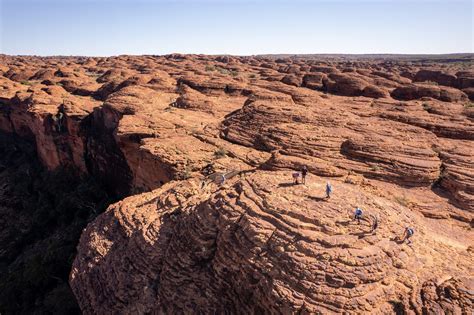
point(318, 198)
point(344, 223)
point(397, 239)
point(287, 184)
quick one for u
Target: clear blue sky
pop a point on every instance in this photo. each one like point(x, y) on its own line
point(106, 27)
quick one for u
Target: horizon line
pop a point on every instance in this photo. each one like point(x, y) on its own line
point(286, 54)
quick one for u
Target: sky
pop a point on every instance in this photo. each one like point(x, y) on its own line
point(107, 27)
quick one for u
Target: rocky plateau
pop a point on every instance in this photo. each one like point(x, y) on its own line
point(393, 136)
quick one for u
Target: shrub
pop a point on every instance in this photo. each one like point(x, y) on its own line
point(375, 168)
point(223, 71)
point(426, 106)
point(26, 83)
point(92, 74)
point(220, 153)
point(210, 68)
point(186, 172)
point(402, 200)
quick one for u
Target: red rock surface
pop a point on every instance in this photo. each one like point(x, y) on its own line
point(165, 128)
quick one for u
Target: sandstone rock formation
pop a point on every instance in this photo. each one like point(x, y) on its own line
point(412, 92)
point(258, 245)
point(163, 130)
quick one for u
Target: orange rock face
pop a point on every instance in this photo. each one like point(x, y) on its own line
point(207, 145)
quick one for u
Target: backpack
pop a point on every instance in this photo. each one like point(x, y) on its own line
point(410, 231)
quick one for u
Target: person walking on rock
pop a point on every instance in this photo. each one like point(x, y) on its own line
point(375, 223)
point(304, 172)
point(296, 175)
point(328, 190)
point(358, 214)
point(408, 234)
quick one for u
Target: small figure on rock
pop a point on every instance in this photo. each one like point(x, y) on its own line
point(58, 121)
point(375, 223)
point(304, 172)
point(222, 179)
point(328, 190)
point(296, 176)
point(408, 234)
point(358, 214)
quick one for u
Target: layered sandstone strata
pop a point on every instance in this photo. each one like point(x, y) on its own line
point(393, 137)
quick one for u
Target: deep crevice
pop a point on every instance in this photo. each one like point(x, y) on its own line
point(42, 215)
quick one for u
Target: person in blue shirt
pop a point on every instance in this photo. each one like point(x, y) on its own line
point(358, 214)
point(408, 234)
point(328, 190)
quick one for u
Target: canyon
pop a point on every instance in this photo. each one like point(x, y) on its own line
point(177, 171)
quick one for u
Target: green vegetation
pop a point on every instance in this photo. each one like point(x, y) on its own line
point(26, 83)
point(375, 168)
point(186, 173)
point(234, 73)
point(252, 76)
point(469, 105)
point(221, 70)
point(93, 74)
point(44, 214)
point(220, 153)
point(402, 200)
point(426, 107)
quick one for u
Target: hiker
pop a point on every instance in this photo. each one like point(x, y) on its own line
point(296, 175)
point(328, 190)
point(408, 234)
point(358, 214)
point(375, 223)
point(222, 179)
point(58, 119)
point(304, 172)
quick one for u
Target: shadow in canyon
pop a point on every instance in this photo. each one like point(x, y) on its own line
point(42, 215)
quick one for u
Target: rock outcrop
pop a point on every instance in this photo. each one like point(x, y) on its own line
point(413, 92)
point(259, 245)
point(201, 150)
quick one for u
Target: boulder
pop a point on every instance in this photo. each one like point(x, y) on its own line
point(314, 80)
point(418, 91)
point(344, 84)
point(291, 80)
point(440, 77)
